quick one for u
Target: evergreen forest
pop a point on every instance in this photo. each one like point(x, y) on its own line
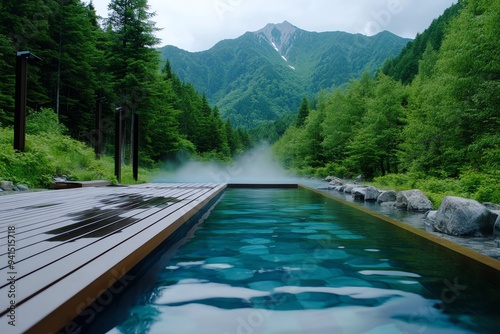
point(86, 61)
point(430, 115)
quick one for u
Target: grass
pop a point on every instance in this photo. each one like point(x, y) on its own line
point(51, 153)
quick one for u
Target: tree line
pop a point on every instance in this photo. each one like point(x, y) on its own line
point(86, 59)
point(443, 121)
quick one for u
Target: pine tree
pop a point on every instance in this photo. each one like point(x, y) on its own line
point(303, 113)
point(134, 63)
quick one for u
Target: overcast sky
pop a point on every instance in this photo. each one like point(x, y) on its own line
point(197, 25)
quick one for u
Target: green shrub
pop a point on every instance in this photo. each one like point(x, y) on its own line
point(44, 121)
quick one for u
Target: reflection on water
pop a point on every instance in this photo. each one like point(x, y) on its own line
point(291, 261)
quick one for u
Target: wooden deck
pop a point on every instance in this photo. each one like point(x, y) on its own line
point(69, 246)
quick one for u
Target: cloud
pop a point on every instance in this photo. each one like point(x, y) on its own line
point(196, 25)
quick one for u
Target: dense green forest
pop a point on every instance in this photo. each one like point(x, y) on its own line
point(440, 123)
point(86, 60)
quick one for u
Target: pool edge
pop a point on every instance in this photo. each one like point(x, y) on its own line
point(470, 253)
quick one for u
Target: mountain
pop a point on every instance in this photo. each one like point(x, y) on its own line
point(263, 75)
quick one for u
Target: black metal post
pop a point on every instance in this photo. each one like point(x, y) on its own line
point(118, 141)
point(98, 127)
point(135, 150)
point(21, 100)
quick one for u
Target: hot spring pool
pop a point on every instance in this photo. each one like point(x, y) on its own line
point(293, 261)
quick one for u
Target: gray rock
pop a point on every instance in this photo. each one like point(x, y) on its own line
point(464, 217)
point(359, 193)
point(359, 178)
point(335, 181)
point(492, 206)
point(496, 227)
point(429, 220)
point(430, 216)
point(372, 194)
point(60, 179)
point(387, 196)
point(7, 185)
point(349, 187)
point(413, 200)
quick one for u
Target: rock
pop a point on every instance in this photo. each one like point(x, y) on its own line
point(492, 206)
point(336, 182)
point(60, 179)
point(359, 193)
point(429, 219)
point(430, 216)
point(387, 196)
point(349, 187)
point(496, 227)
point(464, 217)
point(22, 187)
point(7, 185)
point(413, 200)
point(372, 194)
point(359, 178)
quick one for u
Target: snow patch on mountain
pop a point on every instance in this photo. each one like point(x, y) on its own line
point(280, 37)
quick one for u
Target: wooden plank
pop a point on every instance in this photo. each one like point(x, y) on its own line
point(79, 184)
point(51, 221)
point(73, 245)
point(49, 211)
point(106, 261)
point(47, 249)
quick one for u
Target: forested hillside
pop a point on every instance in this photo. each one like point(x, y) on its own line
point(85, 59)
point(262, 76)
point(443, 124)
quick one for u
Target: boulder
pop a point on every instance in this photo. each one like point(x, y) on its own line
point(429, 219)
point(464, 217)
point(336, 182)
point(496, 227)
point(387, 196)
point(359, 193)
point(371, 194)
point(413, 200)
point(359, 178)
point(492, 206)
point(349, 187)
point(7, 185)
point(430, 216)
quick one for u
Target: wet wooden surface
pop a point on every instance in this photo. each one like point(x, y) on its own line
point(69, 246)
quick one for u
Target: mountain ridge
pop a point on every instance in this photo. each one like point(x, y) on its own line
point(264, 74)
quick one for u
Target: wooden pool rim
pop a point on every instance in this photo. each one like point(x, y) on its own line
point(467, 252)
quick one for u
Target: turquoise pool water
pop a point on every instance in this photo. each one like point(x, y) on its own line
point(292, 261)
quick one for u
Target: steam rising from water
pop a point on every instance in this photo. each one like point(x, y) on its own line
point(257, 166)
